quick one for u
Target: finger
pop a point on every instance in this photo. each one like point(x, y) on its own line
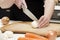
point(44, 25)
point(24, 3)
point(40, 20)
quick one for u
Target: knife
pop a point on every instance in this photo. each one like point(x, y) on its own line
point(29, 13)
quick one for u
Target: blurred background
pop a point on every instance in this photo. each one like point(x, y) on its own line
point(56, 15)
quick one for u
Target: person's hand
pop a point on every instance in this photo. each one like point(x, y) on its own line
point(19, 3)
point(43, 21)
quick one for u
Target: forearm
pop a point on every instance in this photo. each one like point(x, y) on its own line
point(49, 7)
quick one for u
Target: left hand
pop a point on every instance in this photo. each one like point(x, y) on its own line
point(19, 3)
point(43, 21)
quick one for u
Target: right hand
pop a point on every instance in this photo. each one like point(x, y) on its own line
point(19, 3)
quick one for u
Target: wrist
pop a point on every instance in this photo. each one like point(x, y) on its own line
point(48, 16)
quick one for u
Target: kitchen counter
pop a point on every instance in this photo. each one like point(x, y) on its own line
point(15, 36)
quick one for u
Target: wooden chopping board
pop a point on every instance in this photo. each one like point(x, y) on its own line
point(23, 27)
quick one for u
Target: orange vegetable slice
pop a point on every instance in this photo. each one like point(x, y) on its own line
point(27, 38)
point(32, 35)
point(22, 38)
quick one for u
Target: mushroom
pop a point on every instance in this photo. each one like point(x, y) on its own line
point(5, 20)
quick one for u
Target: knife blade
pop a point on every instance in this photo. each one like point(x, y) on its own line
point(29, 14)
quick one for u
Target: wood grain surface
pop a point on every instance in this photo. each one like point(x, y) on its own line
point(24, 27)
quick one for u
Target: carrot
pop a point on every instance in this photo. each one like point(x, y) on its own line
point(27, 38)
point(31, 35)
point(22, 38)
